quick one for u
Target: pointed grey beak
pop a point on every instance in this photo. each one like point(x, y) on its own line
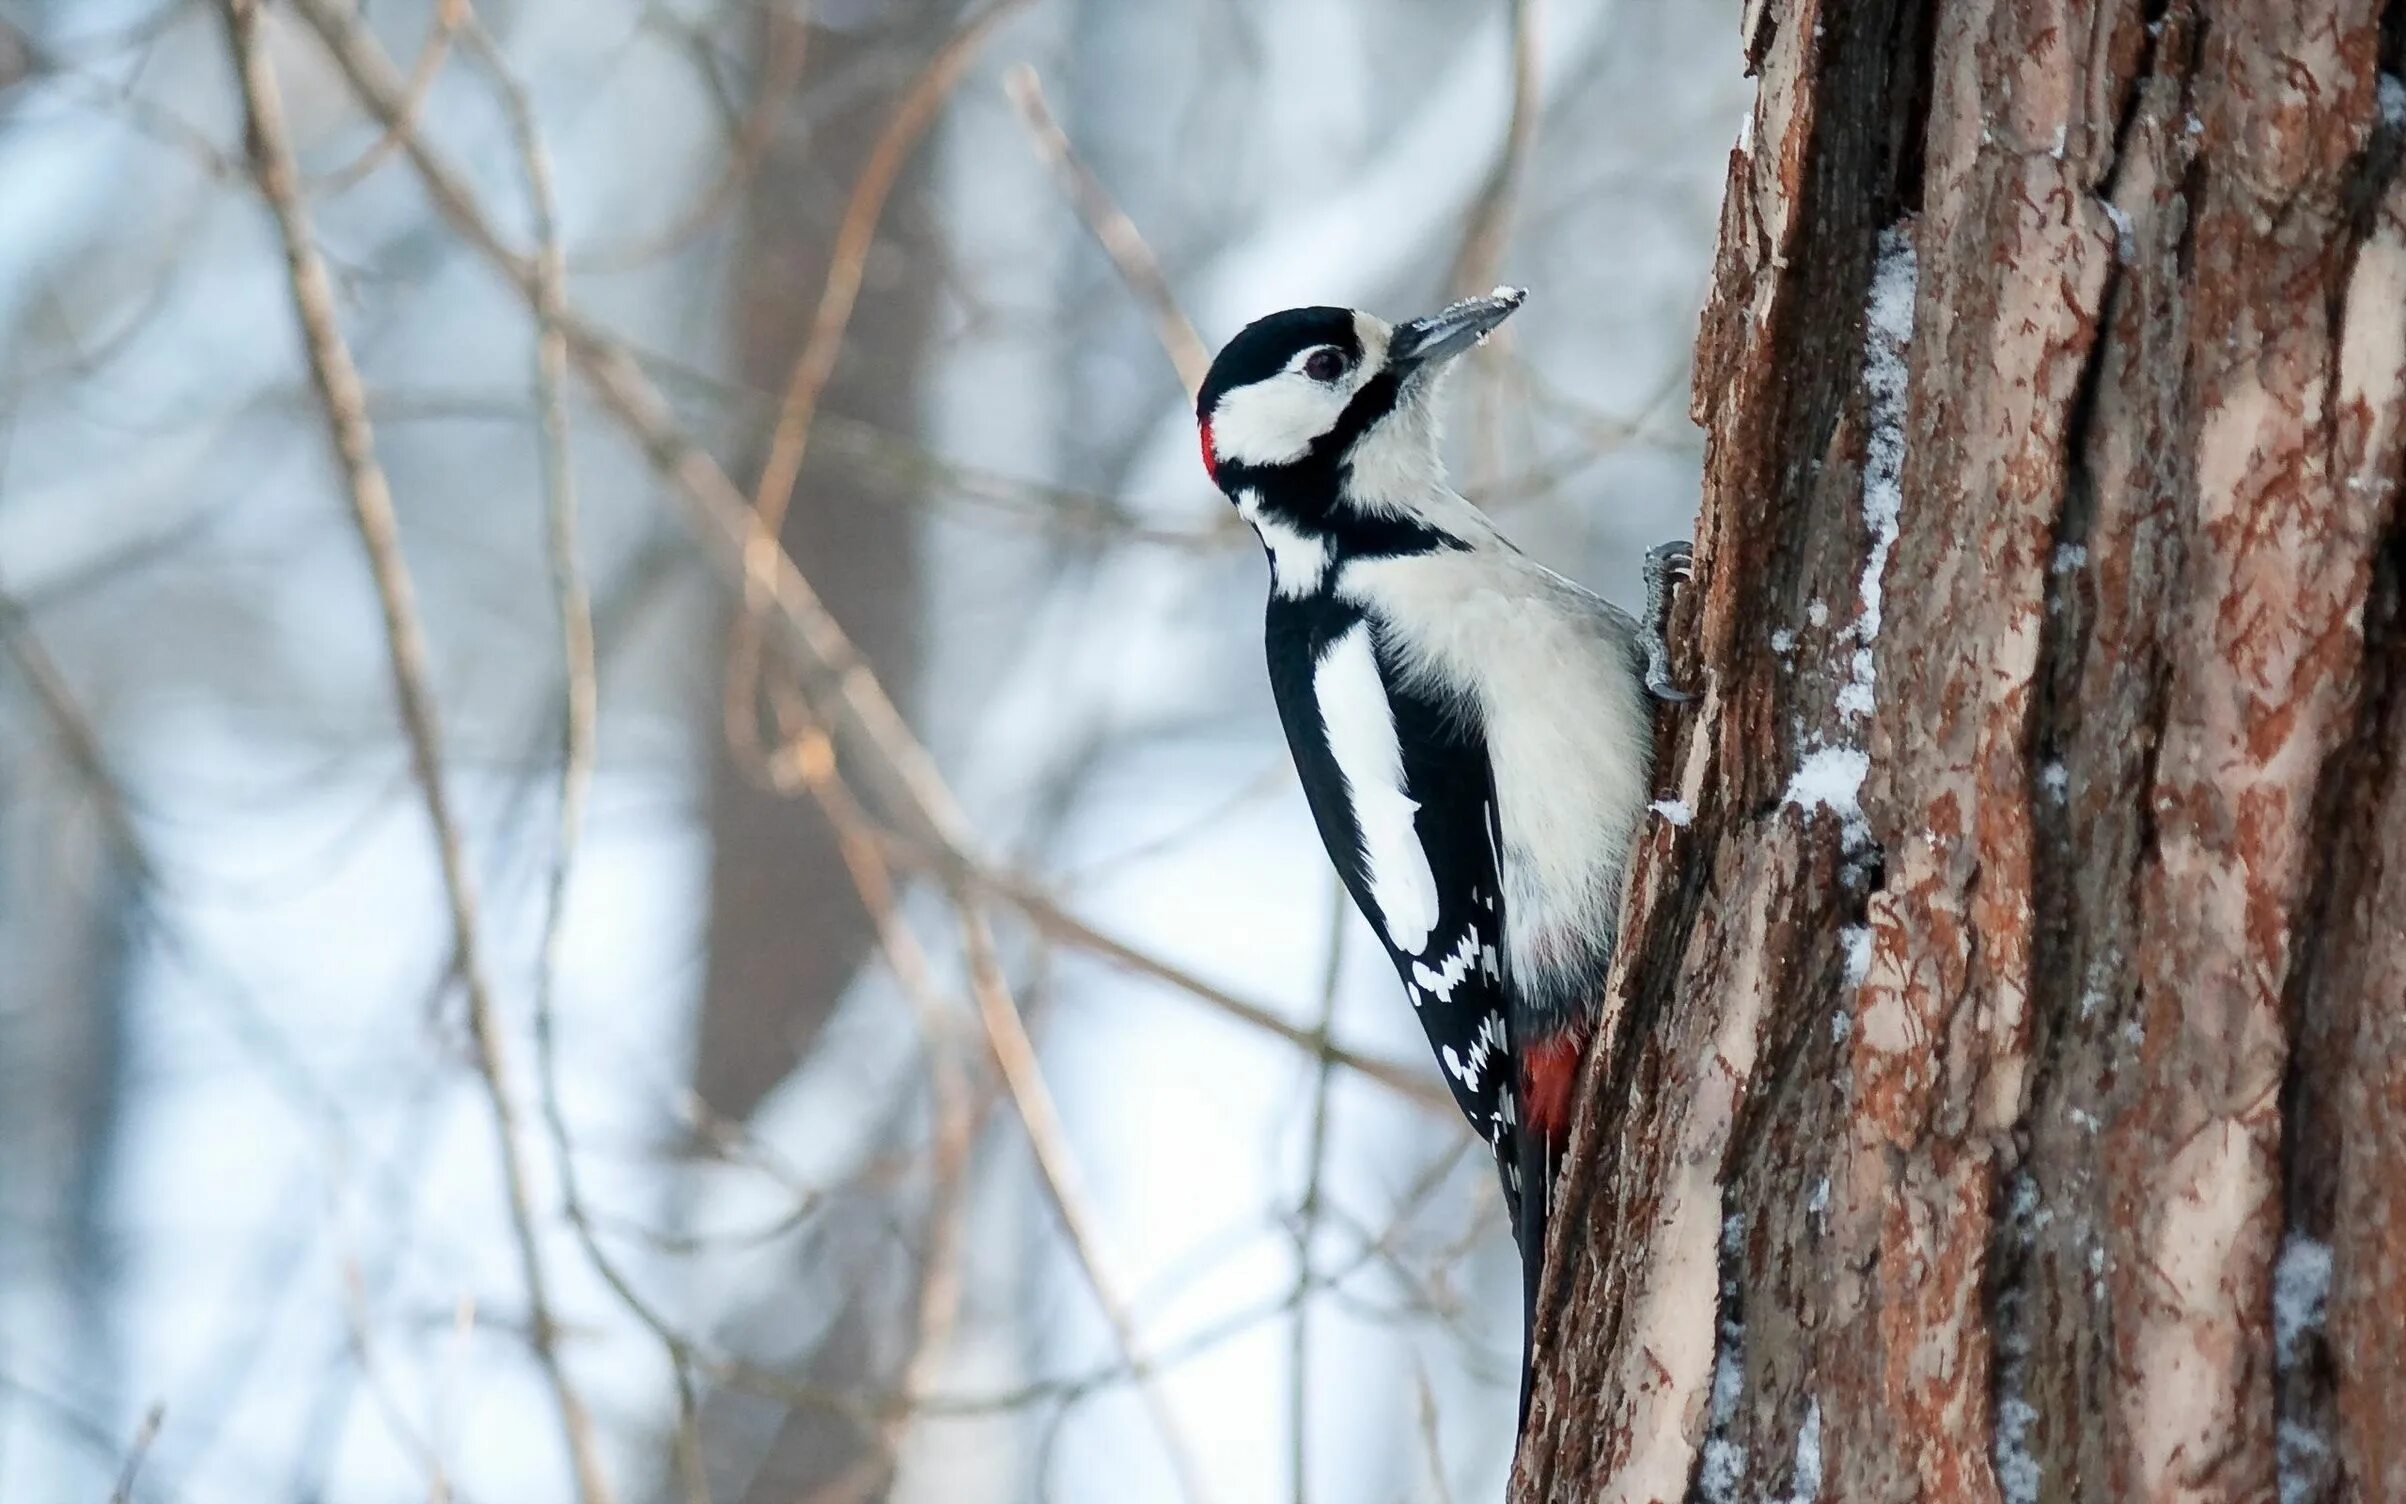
point(1451, 330)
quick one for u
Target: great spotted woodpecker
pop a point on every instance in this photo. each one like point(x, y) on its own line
point(1472, 729)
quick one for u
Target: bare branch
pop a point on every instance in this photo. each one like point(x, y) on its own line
point(1057, 923)
point(723, 515)
point(1380, 1248)
point(1428, 1434)
point(1482, 249)
point(413, 1441)
point(1307, 1215)
point(144, 1435)
point(781, 72)
point(449, 16)
point(578, 719)
point(340, 394)
point(1111, 228)
point(77, 740)
point(808, 759)
point(1015, 1053)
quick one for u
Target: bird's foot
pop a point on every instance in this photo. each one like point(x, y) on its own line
point(1667, 565)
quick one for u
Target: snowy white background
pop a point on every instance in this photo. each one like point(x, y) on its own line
point(246, 1176)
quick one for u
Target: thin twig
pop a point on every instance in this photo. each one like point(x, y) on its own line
point(1057, 923)
point(1051, 920)
point(1378, 1249)
point(414, 1442)
point(144, 1435)
point(339, 392)
point(449, 16)
point(77, 740)
point(1428, 1435)
point(1112, 230)
point(1015, 1055)
point(573, 605)
point(1482, 247)
point(878, 453)
point(1307, 1214)
point(787, 45)
point(841, 678)
point(809, 760)
point(92, 1433)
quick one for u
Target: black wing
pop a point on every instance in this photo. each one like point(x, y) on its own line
point(1410, 825)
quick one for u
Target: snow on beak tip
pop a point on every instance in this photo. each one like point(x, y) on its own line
point(1457, 327)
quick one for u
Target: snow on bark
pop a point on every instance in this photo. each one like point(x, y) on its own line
point(1887, 336)
point(1831, 779)
point(1830, 776)
point(1804, 1474)
point(1721, 1473)
point(2301, 1294)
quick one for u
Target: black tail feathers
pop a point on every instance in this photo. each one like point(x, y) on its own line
point(1532, 1209)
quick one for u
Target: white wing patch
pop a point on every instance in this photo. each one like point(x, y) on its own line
point(1361, 736)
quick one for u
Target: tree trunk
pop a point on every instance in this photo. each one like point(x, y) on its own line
point(786, 928)
point(2010, 1056)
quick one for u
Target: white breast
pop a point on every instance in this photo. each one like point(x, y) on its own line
point(1548, 669)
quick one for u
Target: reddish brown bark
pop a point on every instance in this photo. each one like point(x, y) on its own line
point(1954, 1149)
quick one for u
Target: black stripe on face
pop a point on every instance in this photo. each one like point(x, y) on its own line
point(1375, 401)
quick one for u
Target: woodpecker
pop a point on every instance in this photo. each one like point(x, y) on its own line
point(1473, 731)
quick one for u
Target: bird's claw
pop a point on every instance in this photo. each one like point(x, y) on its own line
point(1676, 558)
point(1667, 564)
point(1659, 685)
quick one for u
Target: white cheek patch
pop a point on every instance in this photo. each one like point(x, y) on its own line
point(1273, 422)
point(1361, 736)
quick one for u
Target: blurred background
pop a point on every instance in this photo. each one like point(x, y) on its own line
point(777, 1099)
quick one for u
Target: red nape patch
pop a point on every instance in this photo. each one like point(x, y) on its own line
point(1549, 1078)
point(1211, 461)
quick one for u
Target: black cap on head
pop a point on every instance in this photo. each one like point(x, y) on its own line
point(1262, 349)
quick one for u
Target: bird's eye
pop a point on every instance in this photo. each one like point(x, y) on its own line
point(1325, 365)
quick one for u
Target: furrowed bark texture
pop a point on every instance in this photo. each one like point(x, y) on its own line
point(2005, 1093)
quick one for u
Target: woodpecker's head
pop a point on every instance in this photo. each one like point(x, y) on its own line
point(1315, 409)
